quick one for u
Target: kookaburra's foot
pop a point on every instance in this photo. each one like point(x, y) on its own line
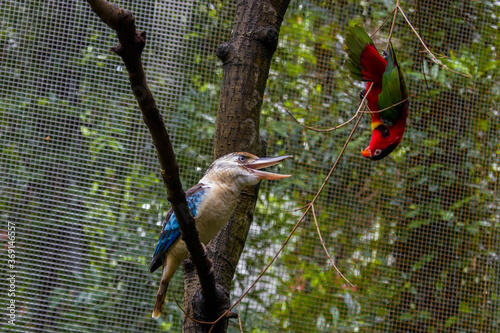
point(204, 248)
point(208, 258)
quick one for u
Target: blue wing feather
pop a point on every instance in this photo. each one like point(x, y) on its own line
point(170, 231)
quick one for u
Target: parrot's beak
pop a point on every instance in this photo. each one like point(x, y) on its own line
point(367, 152)
point(263, 162)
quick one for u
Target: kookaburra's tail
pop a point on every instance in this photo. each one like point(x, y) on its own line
point(160, 298)
point(166, 275)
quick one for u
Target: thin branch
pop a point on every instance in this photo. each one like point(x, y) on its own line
point(297, 209)
point(356, 98)
point(239, 317)
point(419, 9)
point(392, 26)
point(319, 129)
point(461, 16)
point(436, 60)
point(393, 105)
point(130, 47)
point(336, 127)
point(436, 54)
point(383, 23)
point(324, 246)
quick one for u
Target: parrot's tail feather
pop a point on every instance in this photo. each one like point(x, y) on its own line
point(160, 299)
point(365, 63)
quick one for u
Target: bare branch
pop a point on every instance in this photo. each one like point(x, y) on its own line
point(393, 105)
point(383, 23)
point(319, 129)
point(239, 317)
point(131, 44)
point(461, 16)
point(436, 60)
point(338, 126)
point(324, 246)
point(392, 26)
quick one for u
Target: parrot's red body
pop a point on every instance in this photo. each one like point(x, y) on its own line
point(385, 86)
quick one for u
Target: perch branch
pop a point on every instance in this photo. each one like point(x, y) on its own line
point(131, 44)
point(392, 26)
point(393, 105)
point(315, 129)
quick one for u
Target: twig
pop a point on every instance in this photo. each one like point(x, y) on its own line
point(393, 105)
point(436, 60)
point(319, 129)
point(130, 47)
point(239, 317)
point(461, 16)
point(438, 55)
point(383, 23)
point(297, 209)
point(421, 55)
point(392, 26)
point(336, 127)
point(324, 246)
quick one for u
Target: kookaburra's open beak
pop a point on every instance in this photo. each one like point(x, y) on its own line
point(263, 162)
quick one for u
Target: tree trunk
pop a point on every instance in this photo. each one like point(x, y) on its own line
point(246, 61)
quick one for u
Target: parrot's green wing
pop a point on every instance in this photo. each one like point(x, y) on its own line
point(355, 44)
point(393, 89)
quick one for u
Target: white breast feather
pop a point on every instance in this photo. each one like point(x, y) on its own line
point(215, 210)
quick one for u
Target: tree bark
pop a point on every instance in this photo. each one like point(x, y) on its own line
point(246, 61)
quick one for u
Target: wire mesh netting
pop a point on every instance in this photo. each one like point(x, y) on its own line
point(417, 233)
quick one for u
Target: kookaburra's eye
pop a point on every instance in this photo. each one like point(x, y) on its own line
point(377, 152)
point(242, 159)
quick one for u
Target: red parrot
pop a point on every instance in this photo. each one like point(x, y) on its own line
point(385, 78)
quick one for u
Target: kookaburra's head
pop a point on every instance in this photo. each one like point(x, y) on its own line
point(242, 169)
